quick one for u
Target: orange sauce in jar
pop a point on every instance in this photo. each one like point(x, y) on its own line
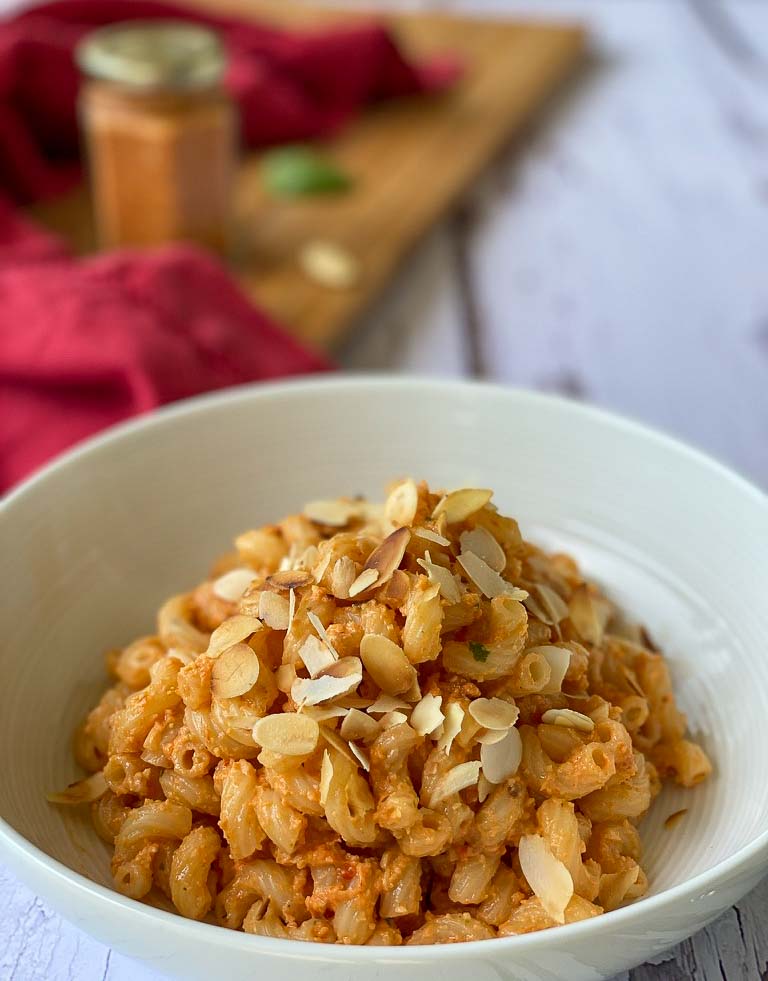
point(160, 133)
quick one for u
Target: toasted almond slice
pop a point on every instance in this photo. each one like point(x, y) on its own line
point(235, 671)
point(290, 579)
point(317, 623)
point(83, 791)
point(274, 610)
point(427, 716)
point(558, 659)
point(454, 717)
point(232, 631)
point(387, 703)
point(321, 565)
point(322, 713)
point(487, 581)
point(184, 656)
point(315, 655)
point(456, 779)
point(334, 514)
point(307, 560)
point(568, 717)
point(487, 737)
point(460, 504)
point(431, 536)
point(326, 775)
point(334, 739)
point(343, 575)
point(493, 713)
point(291, 607)
point(358, 725)
point(402, 503)
point(392, 719)
point(287, 733)
point(233, 584)
point(482, 543)
point(546, 875)
point(387, 664)
point(388, 556)
point(339, 678)
point(546, 604)
point(413, 694)
point(364, 581)
point(442, 577)
point(484, 787)
point(329, 264)
point(285, 677)
point(361, 756)
point(500, 760)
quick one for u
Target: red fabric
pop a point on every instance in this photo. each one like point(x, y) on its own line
point(86, 343)
point(289, 85)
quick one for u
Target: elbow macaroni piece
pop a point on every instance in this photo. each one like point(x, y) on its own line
point(484, 778)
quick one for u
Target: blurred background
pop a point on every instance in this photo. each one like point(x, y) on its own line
point(566, 195)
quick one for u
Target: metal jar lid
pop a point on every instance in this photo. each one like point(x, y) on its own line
point(165, 54)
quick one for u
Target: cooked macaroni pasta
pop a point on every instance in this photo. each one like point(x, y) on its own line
point(394, 725)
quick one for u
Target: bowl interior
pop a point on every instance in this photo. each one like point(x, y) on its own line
point(91, 548)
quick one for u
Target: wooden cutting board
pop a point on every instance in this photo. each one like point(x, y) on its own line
point(410, 161)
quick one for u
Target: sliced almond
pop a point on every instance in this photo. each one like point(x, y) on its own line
point(493, 713)
point(321, 565)
point(443, 578)
point(83, 791)
point(364, 581)
point(290, 579)
point(546, 604)
point(460, 504)
point(481, 542)
point(322, 713)
point(568, 717)
point(326, 775)
point(413, 694)
point(291, 607)
point(387, 664)
point(334, 739)
point(387, 703)
point(274, 610)
point(339, 678)
point(501, 760)
point(343, 574)
point(235, 671)
point(315, 655)
point(392, 719)
point(358, 725)
point(484, 787)
point(558, 659)
point(427, 716)
point(431, 536)
point(334, 514)
point(329, 264)
point(317, 623)
point(288, 733)
point(454, 717)
point(546, 875)
point(233, 631)
point(456, 779)
point(487, 737)
point(388, 556)
point(361, 756)
point(233, 584)
point(402, 503)
point(487, 581)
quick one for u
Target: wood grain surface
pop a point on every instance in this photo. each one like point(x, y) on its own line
point(616, 254)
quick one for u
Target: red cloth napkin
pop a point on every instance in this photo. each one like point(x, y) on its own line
point(86, 343)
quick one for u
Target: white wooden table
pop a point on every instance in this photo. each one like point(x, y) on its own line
point(617, 254)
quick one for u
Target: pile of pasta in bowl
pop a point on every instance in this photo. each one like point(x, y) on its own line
point(385, 725)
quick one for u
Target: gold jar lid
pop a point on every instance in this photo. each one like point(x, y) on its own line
point(148, 55)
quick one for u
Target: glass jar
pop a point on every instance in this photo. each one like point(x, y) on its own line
point(160, 133)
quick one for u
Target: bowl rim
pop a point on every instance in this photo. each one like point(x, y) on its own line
point(24, 851)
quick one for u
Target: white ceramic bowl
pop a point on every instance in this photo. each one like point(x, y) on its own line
point(91, 546)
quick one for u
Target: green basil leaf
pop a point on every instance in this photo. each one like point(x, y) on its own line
point(291, 171)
